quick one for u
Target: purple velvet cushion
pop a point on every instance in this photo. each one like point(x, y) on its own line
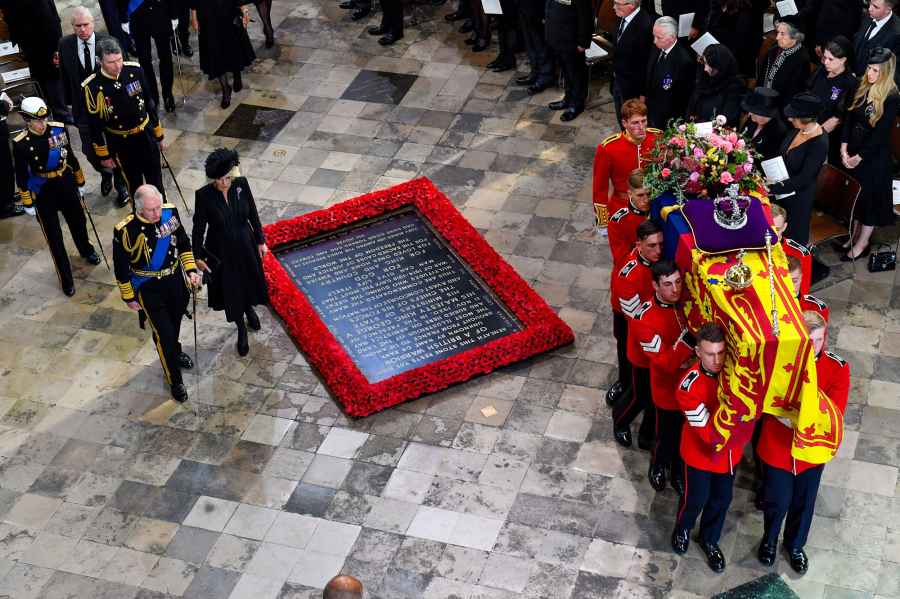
point(711, 238)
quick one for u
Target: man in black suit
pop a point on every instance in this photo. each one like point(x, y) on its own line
point(569, 25)
point(391, 28)
point(671, 71)
point(634, 40)
point(880, 29)
point(543, 67)
point(151, 21)
point(77, 61)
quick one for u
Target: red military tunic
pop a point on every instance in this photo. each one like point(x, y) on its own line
point(697, 396)
point(776, 439)
point(615, 158)
point(658, 333)
point(801, 253)
point(622, 232)
point(632, 285)
point(813, 304)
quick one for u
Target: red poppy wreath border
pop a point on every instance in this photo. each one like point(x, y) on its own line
point(542, 329)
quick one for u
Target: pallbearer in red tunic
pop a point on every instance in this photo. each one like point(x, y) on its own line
point(661, 333)
point(790, 486)
point(709, 474)
point(807, 301)
point(617, 156)
point(632, 285)
point(793, 248)
point(624, 222)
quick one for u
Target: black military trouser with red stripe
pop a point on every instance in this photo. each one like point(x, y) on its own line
point(164, 301)
point(139, 158)
point(706, 493)
point(666, 450)
point(639, 400)
point(620, 332)
point(785, 494)
point(61, 195)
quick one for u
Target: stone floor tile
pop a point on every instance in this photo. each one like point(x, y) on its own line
point(327, 471)
point(315, 569)
point(434, 524)
point(211, 582)
point(292, 530)
point(170, 576)
point(506, 572)
point(211, 513)
point(129, 567)
point(25, 581)
point(191, 544)
point(334, 538)
point(266, 429)
point(232, 553)
point(273, 561)
point(89, 559)
point(342, 443)
point(391, 515)
point(251, 522)
point(312, 500)
point(32, 511)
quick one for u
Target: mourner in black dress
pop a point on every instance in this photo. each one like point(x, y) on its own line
point(765, 128)
point(804, 151)
point(865, 149)
point(835, 85)
point(785, 67)
point(229, 244)
point(223, 42)
point(719, 88)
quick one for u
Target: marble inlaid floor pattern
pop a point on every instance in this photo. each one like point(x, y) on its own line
point(260, 488)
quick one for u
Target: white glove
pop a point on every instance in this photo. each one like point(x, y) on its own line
point(5, 98)
point(29, 210)
point(174, 24)
point(126, 28)
point(81, 192)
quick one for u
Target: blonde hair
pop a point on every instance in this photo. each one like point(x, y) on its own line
point(778, 210)
point(877, 92)
point(813, 321)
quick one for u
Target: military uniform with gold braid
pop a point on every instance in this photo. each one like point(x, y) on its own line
point(48, 176)
point(124, 124)
point(150, 262)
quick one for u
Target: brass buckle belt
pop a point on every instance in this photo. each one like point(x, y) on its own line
point(132, 131)
point(54, 174)
point(156, 274)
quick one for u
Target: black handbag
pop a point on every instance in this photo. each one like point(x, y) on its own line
point(882, 260)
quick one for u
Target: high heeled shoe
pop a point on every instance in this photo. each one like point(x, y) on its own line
point(243, 344)
point(847, 258)
point(270, 36)
point(226, 97)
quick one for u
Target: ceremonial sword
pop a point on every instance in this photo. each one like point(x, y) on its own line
point(175, 179)
point(94, 227)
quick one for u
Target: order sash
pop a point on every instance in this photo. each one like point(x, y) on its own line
point(159, 253)
point(36, 182)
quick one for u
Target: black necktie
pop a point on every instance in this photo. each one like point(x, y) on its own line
point(621, 29)
point(88, 67)
point(869, 31)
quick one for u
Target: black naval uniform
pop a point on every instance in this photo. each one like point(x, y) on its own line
point(151, 21)
point(124, 124)
point(48, 175)
point(568, 26)
point(150, 260)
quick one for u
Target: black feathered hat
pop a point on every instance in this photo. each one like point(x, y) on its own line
point(804, 105)
point(879, 55)
point(220, 162)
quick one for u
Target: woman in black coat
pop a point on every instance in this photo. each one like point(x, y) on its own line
point(223, 42)
point(835, 85)
point(229, 244)
point(738, 25)
point(804, 151)
point(719, 88)
point(865, 149)
point(785, 67)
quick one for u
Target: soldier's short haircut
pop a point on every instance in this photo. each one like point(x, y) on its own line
point(108, 45)
point(142, 193)
point(711, 333)
point(778, 210)
point(669, 24)
point(636, 179)
point(813, 320)
point(646, 229)
point(663, 268)
point(794, 264)
point(632, 108)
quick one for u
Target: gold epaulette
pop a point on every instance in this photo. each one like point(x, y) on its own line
point(653, 130)
point(56, 123)
point(611, 139)
point(89, 79)
point(132, 63)
point(124, 222)
point(168, 205)
point(21, 135)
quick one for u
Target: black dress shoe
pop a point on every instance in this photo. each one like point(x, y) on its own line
point(347, 5)
point(657, 477)
point(376, 30)
point(680, 541)
point(360, 13)
point(677, 484)
point(846, 257)
point(504, 66)
point(766, 553)
point(69, 291)
point(526, 79)
point(799, 561)
point(243, 345)
point(389, 39)
point(186, 49)
point(570, 114)
point(454, 16)
point(614, 393)
point(622, 436)
point(122, 199)
point(558, 105)
point(106, 183)
point(184, 361)
point(252, 320)
point(480, 46)
point(537, 88)
point(494, 63)
point(645, 444)
point(714, 557)
point(169, 103)
point(92, 258)
point(467, 27)
point(179, 393)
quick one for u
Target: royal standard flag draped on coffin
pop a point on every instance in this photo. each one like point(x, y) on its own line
point(774, 374)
